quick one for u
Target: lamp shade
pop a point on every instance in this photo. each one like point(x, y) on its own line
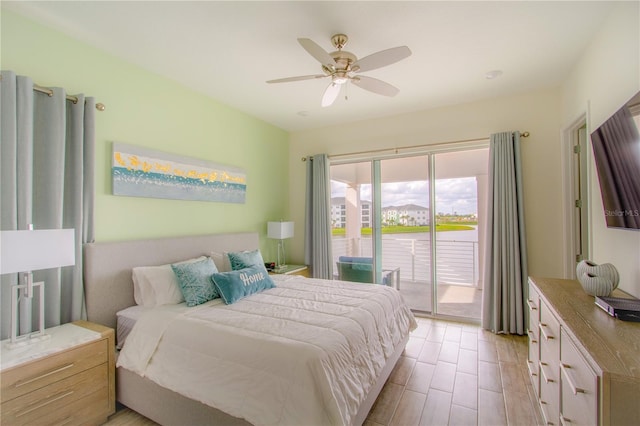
point(22, 251)
point(280, 230)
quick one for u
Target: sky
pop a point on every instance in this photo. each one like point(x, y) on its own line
point(453, 196)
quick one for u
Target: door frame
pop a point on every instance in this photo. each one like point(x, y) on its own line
point(569, 140)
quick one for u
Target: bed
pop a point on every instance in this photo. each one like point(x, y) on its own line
point(302, 376)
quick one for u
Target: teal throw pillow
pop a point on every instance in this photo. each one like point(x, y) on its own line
point(244, 259)
point(235, 285)
point(194, 281)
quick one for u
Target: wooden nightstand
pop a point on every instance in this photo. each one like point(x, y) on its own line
point(69, 378)
point(292, 270)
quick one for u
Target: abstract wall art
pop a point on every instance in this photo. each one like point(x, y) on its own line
point(143, 172)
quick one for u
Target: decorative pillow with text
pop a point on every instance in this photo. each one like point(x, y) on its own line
point(235, 285)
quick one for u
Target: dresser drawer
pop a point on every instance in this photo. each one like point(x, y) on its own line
point(549, 333)
point(533, 363)
point(533, 305)
point(82, 396)
point(39, 373)
point(534, 354)
point(578, 387)
point(549, 394)
point(549, 371)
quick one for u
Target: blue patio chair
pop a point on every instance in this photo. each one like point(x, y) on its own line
point(360, 269)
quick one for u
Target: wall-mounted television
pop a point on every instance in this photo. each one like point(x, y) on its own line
point(616, 149)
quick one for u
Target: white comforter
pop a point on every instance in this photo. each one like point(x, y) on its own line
point(304, 353)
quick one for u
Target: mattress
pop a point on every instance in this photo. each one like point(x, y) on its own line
point(305, 352)
point(126, 319)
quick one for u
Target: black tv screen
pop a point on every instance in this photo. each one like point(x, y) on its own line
point(616, 149)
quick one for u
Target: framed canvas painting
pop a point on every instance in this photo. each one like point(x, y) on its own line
point(143, 172)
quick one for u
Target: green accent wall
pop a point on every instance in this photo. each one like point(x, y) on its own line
point(148, 110)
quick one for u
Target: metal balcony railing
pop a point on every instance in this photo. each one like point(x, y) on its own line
point(456, 261)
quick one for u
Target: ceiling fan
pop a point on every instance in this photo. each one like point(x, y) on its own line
point(343, 66)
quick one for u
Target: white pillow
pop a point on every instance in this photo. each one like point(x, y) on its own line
point(221, 261)
point(157, 285)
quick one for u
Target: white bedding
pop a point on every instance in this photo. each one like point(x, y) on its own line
point(303, 353)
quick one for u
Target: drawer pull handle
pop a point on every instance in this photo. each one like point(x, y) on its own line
point(544, 375)
point(576, 390)
point(564, 420)
point(42, 376)
point(44, 403)
point(531, 305)
point(545, 335)
point(532, 336)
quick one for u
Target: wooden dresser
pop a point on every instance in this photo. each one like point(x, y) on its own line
point(583, 363)
point(67, 379)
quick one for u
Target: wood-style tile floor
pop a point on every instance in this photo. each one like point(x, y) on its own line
point(458, 374)
point(449, 374)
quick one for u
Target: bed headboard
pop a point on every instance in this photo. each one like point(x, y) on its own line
point(107, 266)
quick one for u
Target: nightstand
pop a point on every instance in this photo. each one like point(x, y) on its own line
point(292, 270)
point(69, 378)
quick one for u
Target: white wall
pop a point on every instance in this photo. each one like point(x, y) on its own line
point(605, 78)
point(538, 113)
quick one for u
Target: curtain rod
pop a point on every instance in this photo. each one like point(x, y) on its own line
point(524, 134)
point(74, 99)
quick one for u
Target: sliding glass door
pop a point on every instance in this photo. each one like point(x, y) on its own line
point(395, 218)
point(405, 218)
point(352, 221)
point(460, 206)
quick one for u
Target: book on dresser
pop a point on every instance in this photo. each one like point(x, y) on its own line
point(622, 308)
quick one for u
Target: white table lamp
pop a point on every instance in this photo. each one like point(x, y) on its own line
point(280, 231)
point(26, 251)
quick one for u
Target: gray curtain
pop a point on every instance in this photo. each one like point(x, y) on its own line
point(47, 146)
point(505, 272)
point(317, 242)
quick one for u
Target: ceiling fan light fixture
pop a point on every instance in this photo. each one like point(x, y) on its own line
point(330, 94)
point(341, 66)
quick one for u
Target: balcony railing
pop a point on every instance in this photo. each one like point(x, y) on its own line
point(457, 261)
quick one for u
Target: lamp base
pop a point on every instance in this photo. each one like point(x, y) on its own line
point(280, 268)
point(280, 264)
point(17, 340)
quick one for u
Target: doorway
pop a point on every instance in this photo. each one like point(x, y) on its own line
point(576, 198)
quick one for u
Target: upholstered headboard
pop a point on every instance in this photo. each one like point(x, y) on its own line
point(107, 266)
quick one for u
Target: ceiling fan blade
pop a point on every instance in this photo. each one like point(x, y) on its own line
point(381, 59)
point(299, 78)
point(330, 94)
point(317, 52)
point(374, 85)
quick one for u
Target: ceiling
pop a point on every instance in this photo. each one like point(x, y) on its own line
point(228, 50)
